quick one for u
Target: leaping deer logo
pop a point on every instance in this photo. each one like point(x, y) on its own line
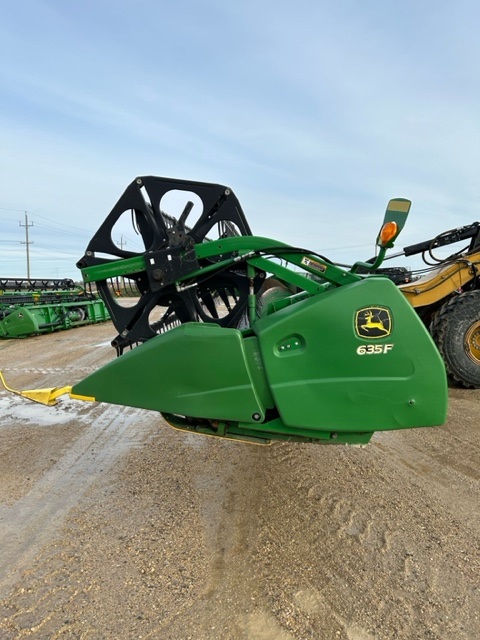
point(373, 322)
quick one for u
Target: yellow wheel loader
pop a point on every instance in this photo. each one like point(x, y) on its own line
point(447, 298)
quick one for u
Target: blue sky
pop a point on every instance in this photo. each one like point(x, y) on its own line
point(315, 113)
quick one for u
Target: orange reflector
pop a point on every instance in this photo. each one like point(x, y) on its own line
point(389, 231)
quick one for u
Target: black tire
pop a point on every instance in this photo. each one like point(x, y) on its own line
point(456, 332)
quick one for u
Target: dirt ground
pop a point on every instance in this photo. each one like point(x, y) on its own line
point(114, 525)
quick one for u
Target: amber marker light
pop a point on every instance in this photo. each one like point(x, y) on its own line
point(388, 233)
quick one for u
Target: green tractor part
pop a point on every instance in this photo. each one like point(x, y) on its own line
point(327, 367)
point(26, 310)
point(244, 337)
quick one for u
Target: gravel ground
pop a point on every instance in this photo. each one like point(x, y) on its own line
point(113, 525)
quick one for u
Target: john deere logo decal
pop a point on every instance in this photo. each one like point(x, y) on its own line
point(373, 322)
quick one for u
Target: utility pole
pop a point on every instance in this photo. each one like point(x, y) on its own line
point(27, 242)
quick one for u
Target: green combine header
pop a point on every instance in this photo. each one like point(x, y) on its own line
point(244, 337)
point(35, 306)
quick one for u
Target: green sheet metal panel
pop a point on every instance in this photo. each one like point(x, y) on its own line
point(19, 323)
point(357, 358)
point(195, 369)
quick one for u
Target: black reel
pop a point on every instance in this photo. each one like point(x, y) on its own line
point(169, 253)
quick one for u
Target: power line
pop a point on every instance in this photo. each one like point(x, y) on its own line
point(37, 215)
point(63, 224)
point(74, 254)
point(58, 230)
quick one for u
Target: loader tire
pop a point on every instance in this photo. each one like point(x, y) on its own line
point(456, 332)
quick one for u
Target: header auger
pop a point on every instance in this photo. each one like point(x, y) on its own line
point(228, 338)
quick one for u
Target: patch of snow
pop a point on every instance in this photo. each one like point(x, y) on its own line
point(13, 408)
